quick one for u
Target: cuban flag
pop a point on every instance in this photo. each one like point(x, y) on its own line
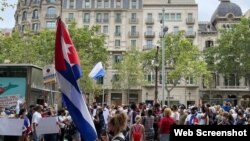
point(68, 71)
point(97, 72)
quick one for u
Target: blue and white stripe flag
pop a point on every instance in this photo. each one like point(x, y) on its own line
point(97, 72)
point(68, 71)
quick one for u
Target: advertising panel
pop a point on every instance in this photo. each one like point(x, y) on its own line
point(12, 90)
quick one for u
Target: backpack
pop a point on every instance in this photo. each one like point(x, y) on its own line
point(137, 133)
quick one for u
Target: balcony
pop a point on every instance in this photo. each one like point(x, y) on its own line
point(133, 21)
point(232, 87)
point(35, 18)
point(133, 34)
point(51, 1)
point(68, 20)
point(148, 47)
point(86, 20)
point(149, 21)
point(117, 34)
point(190, 34)
point(190, 21)
point(118, 20)
point(105, 20)
point(50, 16)
point(149, 34)
point(35, 3)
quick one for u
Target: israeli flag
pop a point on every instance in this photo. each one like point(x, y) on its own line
point(97, 72)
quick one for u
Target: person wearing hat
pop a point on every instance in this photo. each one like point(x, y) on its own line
point(183, 115)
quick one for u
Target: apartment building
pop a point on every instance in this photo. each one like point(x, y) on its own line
point(138, 23)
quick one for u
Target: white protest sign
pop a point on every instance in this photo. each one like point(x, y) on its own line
point(12, 127)
point(47, 125)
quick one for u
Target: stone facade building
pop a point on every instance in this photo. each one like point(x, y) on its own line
point(137, 23)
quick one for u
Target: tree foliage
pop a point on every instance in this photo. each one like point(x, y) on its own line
point(231, 54)
point(183, 59)
point(129, 71)
point(38, 49)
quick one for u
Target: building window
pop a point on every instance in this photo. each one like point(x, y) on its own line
point(160, 16)
point(117, 58)
point(167, 16)
point(52, 1)
point(149, 29)
point(133, 30)
point(172, 16)
point(190, 30)
point(106, 17)
point(86, 18)
point(106, 4)
point(231, 80)
point(190, 16)
point(105, 29)
point(118, 3)
point(99, 3)
point(98, 17)
point(117, 43)
point(133, 43)
point(209, 43)
point(117, 30)
point(149, 44)
point(176, 29)
point(118, 18)
point(190, 80)
point(178, 16)
point(24, 16)
point(25, 2)
point(71, 16)
point(35, 27)
point(71, 4)
point(35, 14)
point(51, 12)
point(51, 24)
point(133, 16)
point(134, 4)
point(87, 4)
point(150, 17)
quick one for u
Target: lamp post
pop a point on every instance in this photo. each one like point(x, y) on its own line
point(164, 30)
point(156, 74)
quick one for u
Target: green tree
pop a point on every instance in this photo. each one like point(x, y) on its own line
point(231, 54)
point(38, 49)
point(183, 60)
point(129, 71)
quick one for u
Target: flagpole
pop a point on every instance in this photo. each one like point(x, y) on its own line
point(61, 8)
point(103, 88)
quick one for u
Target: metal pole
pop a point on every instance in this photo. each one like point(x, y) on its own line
point(156, 74)
point(163, 58)
point(103, 94)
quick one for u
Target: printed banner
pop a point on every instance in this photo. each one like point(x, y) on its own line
point(11, 90)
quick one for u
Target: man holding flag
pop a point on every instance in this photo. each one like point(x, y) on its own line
point(68, 71)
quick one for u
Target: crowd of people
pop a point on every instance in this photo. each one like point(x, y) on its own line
point(136, 122)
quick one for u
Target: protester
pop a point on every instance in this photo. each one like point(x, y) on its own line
point(164, 126)
point(137, 131)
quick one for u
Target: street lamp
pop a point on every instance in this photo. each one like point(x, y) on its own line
point(156, 74)
point(164, 30)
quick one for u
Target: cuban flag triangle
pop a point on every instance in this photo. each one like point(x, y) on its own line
point(97, 72)
point(68, 71)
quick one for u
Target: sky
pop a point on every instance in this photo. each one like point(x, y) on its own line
point(205, 11)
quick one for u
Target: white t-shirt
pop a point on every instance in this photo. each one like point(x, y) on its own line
point(175, 115)
point(61, 119)
point(35, 118)
point(189, 117)
point(106, 115)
